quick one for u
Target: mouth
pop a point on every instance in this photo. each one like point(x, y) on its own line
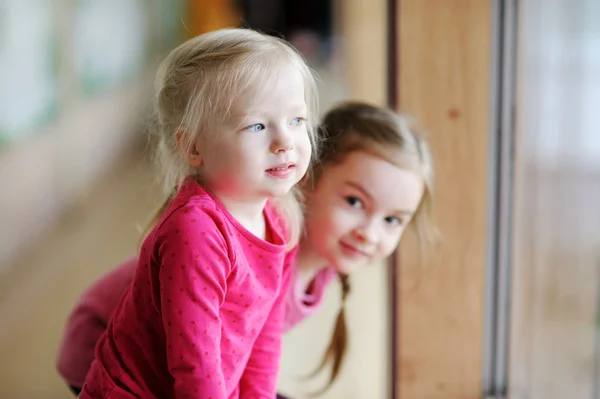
point(282, 170)
point(353, 251)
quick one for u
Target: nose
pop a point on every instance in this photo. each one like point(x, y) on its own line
point(367, 232)
point(282, 141)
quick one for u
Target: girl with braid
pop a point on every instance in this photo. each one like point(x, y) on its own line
point(374, 178)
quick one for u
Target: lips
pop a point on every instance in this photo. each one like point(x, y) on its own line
point(283, 166)
point(353, 251)
point(282, 170)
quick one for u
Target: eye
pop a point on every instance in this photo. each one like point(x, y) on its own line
point(354, 202)
point(297, 121)
point(393, 221)
point(257, 127)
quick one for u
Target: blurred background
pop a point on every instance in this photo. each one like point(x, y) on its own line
point(508, 304)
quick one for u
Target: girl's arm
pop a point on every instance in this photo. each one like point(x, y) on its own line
point(194, 267)
point(89, 320)
point(259, 380)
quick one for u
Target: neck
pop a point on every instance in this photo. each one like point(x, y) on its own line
point(248, 213)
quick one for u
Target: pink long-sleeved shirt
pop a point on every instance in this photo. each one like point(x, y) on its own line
point(89, 318)
point(203, 316)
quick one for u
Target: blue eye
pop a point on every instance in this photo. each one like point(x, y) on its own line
point(354, 202)
point(393, 220)
point(257, 127)
point(297, 122)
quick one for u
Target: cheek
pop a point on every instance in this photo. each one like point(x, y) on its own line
point(390, 244)
point(326, 221)
point(303, 144)
point(244, 160)
point(224, 154)
point(322, 224)
point(341, 221)
point(249, 145)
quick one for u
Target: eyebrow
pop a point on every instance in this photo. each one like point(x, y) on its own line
point(294, 108)
point(370, 197)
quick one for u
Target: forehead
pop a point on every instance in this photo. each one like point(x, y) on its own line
point(282, 88)
point(390, 185)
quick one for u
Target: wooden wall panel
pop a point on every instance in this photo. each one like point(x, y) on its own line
point(444, 64)
point(362, 26)
point(208, 15)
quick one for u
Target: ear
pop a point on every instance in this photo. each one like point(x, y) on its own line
point(188, 148)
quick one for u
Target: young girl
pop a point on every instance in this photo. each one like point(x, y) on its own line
point(374, 177)
point(203, 316)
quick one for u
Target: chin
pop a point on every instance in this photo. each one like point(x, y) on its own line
point(345, 267)
point(280, 191)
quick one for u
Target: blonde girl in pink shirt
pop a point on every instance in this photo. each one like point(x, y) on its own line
point(373, 178)
point(203, 314)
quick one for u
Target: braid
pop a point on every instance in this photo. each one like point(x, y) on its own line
point(336, 350)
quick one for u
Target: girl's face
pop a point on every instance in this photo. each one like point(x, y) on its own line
point(359, 209)
point(264, 150)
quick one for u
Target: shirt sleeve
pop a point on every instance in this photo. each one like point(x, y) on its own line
point(259, 380)
point(77, 350)
point(194, 265)
point(303, 302)
point(89, 320)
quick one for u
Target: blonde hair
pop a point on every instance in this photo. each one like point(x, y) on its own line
point(198, 83)
point(357, 126)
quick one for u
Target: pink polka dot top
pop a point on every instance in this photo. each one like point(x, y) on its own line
point(203, 316)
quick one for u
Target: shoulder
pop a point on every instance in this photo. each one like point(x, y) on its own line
point(277, 220)
point(191, 226)
point(99, 299)
point(112, 282)
point(192, 216)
